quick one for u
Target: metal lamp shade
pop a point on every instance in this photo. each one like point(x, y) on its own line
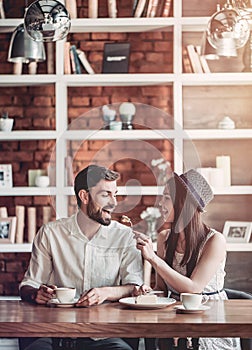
point(23, 49)
point(227, 28)
point(47, 20)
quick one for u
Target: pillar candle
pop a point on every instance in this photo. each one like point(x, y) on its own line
point(216, 177)
point(71, 7)
point(31, 213)
point(3, 212)
point(46, 214)
point(92, 8)
point(20, 214)
point(223, 162)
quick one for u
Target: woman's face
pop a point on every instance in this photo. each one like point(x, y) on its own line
point(166, 206)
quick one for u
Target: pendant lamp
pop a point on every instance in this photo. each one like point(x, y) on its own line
point(23, 49)
point(47, 20)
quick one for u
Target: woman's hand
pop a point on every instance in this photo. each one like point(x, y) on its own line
point(144, 244)
point(139, 290)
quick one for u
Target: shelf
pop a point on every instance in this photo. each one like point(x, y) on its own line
point(27, 79)
point(16, 248)
point(239, 247)
point(125, 25)
point(200, 79)
point(214, 134)
point(28, 191)
point(118, 79)
point(28, 135)
point(118, 134)
point(26, 247)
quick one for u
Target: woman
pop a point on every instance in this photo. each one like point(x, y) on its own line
point(190, 255)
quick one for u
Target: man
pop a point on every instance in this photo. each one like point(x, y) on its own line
point(87, 251)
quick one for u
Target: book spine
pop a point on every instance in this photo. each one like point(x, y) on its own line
point(154, 8)
point(203, 61)
point(140, 8)
point(167, 8)
point(186, 62)
point(83, 59)
point(134, 7)
point(74, 58)
point(194, 58)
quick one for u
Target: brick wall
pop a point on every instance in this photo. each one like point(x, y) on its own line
point(33, 108)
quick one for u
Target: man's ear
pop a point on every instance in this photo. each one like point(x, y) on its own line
point(83, 195)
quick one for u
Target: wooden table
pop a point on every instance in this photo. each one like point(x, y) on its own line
point(223, 319)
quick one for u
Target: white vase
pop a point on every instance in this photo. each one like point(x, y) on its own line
point(6, 124)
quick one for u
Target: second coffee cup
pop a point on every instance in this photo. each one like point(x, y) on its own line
point(192, 301)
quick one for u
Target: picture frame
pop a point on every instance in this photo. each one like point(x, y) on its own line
point(6, 176)
point(8, 229)
point(237, 231)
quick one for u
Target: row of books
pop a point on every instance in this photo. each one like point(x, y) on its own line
point(193, 62)
point(76, 60)
point(152, 8)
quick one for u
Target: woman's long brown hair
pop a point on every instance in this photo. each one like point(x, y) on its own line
point(187, 217)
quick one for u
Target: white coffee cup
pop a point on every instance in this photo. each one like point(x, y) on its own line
point(65, 294)
point(192, 301)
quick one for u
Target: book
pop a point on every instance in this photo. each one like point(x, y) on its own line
point(153, 8)
point(186, 62)
point(194, 59)
point(84, 61)
point(203, 60)
point(112, 10)
point(134, 6)
point(67, 59)
point(2, 13)
point(116, 58)
point(166, 8)
point(140, 8)
point(74, 60)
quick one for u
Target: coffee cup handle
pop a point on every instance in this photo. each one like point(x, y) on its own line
point(205, 299)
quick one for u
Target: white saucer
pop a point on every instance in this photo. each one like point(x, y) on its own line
point(181, 309)
point(162, 302)
point(57, 303)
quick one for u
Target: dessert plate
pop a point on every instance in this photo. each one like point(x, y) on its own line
point(161, 303)
point(57, 303)
point(181, 309)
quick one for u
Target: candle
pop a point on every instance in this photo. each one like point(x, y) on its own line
point(223, 162)
point(31, 223)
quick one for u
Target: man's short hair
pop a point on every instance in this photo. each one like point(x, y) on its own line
point(90, 176)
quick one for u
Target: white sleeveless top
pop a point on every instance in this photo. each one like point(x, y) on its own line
point(216, 284)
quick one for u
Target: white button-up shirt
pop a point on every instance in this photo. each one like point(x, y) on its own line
point(64, 256)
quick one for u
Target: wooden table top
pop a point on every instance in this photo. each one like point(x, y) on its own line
point(223, 319)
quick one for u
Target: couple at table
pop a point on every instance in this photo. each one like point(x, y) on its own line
point(102, 258)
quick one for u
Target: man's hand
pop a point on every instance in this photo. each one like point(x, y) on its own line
point(44, 294)
point(94, 296)
point(139, 290)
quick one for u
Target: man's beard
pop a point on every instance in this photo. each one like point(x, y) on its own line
point(95, 213)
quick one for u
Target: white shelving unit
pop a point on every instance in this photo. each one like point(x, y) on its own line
point(177, 25)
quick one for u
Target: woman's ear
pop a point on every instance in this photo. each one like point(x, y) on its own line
point(84, 197)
